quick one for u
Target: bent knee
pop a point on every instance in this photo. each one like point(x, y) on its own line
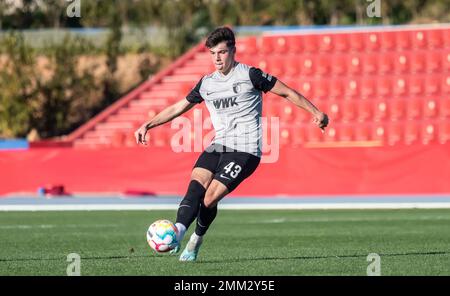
point(203, 176)
point(210, 200)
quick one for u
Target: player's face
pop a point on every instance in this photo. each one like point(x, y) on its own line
point(222, 57)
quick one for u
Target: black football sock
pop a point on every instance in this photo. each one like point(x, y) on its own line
point(189, 206)
point(205, 217)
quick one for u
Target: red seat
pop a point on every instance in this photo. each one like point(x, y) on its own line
point(444, 107)
point(323, 65)
point(330, 134)
point(368, 88)
point(418, 62)
point(339, 64)
point(445, 85)
point(387, 41)
point(337, 88)
point(396, 109)
point(321, 89)
point(352, 87)
point(356, 41)
point(362, 132)
point(412, 132)
point(386, 63)
point(314, 134)
point(403, 39)
point(280, 45)
point(345, 132)
point(354, 64)
point(400, 87)
point(380, 110)
point(271, 108)
point(285, 136)
point(434, 61)
point(118, 139)
point(263, 64)
point(435, 38)
point(298, 135)
point(341, 42)
point(287, 112)
point(413, 108)
point(292, 66)
point(311, 43)
point(428, 132)
point(306, 88)
point(247, 45)
point(446, 61)
point(394, 133)
point(416, 85)
point(334, 111)
point(378, 132)
point(370, 64)
point(326, 43)
point(348, 110)
point(444, 131)
point(364, 110)
point(402, 62)
point(384, 86)
point(302, 116)
point(372, 41)
point(430, 108)
point(307, 65)
point(267, 45)
point(419, 40)
point(433, 84)
point(275, 66)
point(294, 44)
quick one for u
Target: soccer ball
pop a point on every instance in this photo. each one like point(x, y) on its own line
point(162, 236)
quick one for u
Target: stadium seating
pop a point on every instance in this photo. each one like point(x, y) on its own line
point(390, 86)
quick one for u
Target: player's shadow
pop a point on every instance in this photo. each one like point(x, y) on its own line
point(234, 260)
point(82, 258)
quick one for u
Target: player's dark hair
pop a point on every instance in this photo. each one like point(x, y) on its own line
point(219, 35)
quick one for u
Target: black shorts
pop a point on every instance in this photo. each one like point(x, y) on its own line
point(230, 167)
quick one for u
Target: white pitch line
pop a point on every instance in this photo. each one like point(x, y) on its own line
point(246, 206)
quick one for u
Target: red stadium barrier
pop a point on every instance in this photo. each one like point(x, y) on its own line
point(398, 169)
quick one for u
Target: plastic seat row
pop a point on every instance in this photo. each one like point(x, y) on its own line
point(364, 110)
point(370, 88)
point(406, 132)
point(437, 61)
point(344, 42)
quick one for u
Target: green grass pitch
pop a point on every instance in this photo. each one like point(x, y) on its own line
point(240, 242)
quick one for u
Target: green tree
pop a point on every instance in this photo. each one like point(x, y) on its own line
point(16, 84)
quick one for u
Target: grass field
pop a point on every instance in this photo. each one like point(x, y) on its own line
point(267, 242)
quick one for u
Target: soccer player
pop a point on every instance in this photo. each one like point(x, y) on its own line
point(233, 97)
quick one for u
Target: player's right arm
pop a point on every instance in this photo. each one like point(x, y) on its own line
point(162, 117)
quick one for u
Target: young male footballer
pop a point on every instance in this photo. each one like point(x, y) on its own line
point(233, 97)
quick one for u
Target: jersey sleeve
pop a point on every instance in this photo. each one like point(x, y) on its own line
point(194, 96)
point(260, 80)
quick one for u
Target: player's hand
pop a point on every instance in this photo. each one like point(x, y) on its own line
point(321, 119)
point(140, 134)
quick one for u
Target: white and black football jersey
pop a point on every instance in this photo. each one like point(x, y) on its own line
point(234, 102)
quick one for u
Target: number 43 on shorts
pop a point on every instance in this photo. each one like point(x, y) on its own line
point(233, 169)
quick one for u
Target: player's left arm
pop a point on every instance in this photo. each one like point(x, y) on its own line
point(281, 89)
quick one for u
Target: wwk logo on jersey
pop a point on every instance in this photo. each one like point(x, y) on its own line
point(225, 103)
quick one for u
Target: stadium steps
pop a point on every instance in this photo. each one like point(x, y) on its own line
point(379, 87)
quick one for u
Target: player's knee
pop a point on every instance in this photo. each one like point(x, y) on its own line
point(210, 200)
point(203, 179)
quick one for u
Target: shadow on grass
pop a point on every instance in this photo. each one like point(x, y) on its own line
point(323, 257)
point(231, 260)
